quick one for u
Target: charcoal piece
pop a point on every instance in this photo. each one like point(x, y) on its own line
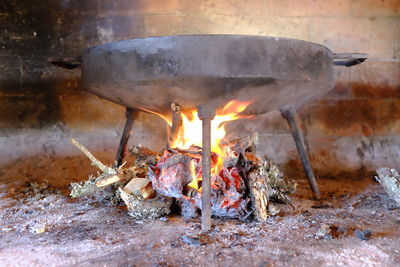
point(361, 235)
point(194, 242)
point(367, 233)
point(232, 178)
point(226, 200)
point(171, 174)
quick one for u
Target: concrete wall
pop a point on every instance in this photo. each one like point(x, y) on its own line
point(354, 128)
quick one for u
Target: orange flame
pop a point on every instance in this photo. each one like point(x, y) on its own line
point(191, 133)
point(193, 172)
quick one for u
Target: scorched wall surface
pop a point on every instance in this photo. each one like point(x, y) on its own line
point(354, 128)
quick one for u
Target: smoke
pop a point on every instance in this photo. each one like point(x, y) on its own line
point(105, 34)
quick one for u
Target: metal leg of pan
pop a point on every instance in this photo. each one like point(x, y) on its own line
point(206, 114)
point(288, 114)
point(121, 153)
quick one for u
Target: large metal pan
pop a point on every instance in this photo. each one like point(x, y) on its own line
point(151, 73)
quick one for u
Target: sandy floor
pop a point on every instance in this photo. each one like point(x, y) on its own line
point(52, 229)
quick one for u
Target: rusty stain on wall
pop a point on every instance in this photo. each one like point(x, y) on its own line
point(364, 104)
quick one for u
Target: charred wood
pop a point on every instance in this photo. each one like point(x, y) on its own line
point(259, 193)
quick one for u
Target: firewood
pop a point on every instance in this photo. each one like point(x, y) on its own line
point(390, 180)
point(190, 153)
point(122, 175)
point(259, 194)
point(139, 208)
point(143, 156)
point(137, 186)
point(84, 188)
point(109, 180)
point(94, 161)
point(147, 191)
point(107, 176)
point(187, 151)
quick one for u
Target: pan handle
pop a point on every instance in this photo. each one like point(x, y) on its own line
point(348, 59)
point(66, 62)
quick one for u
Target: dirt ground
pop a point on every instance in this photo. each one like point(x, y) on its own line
point(41, 225)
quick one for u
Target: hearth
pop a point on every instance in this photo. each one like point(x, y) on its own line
point(103, 108)
point(204, 72)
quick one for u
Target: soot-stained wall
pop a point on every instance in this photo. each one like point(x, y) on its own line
point(353, 128)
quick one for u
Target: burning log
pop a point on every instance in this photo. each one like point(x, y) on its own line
point(109, 180)
point(279, 187)
point(142, 157)
point(240, 183)
point(171, 174)
point(122, 175)
point(244, 185)
point(243, 179)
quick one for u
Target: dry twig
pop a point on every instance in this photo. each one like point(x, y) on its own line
point(94, 161)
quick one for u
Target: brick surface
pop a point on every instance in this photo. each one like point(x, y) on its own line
point(270, 8)
point(373, 8)
point(126, 7)
point(377, 73)
point(313, 8)
point(353, 117)
point(10, 75)
point(271, 123)
point(354, 127)
point(86, 111)
point(236, 8)
point(115, 28)
point(159, 25)
point(353, 154)
point(397, 41)
point(28, 112)
point(349, 35)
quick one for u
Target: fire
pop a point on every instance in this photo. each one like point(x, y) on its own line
point(178, 171)
point(190, 135)
point(194, 184)
point(191, 132)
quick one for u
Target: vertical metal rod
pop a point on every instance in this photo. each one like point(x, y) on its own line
point(130, 115)
point(288, 114)
point(206, 114)
point(176, 124)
